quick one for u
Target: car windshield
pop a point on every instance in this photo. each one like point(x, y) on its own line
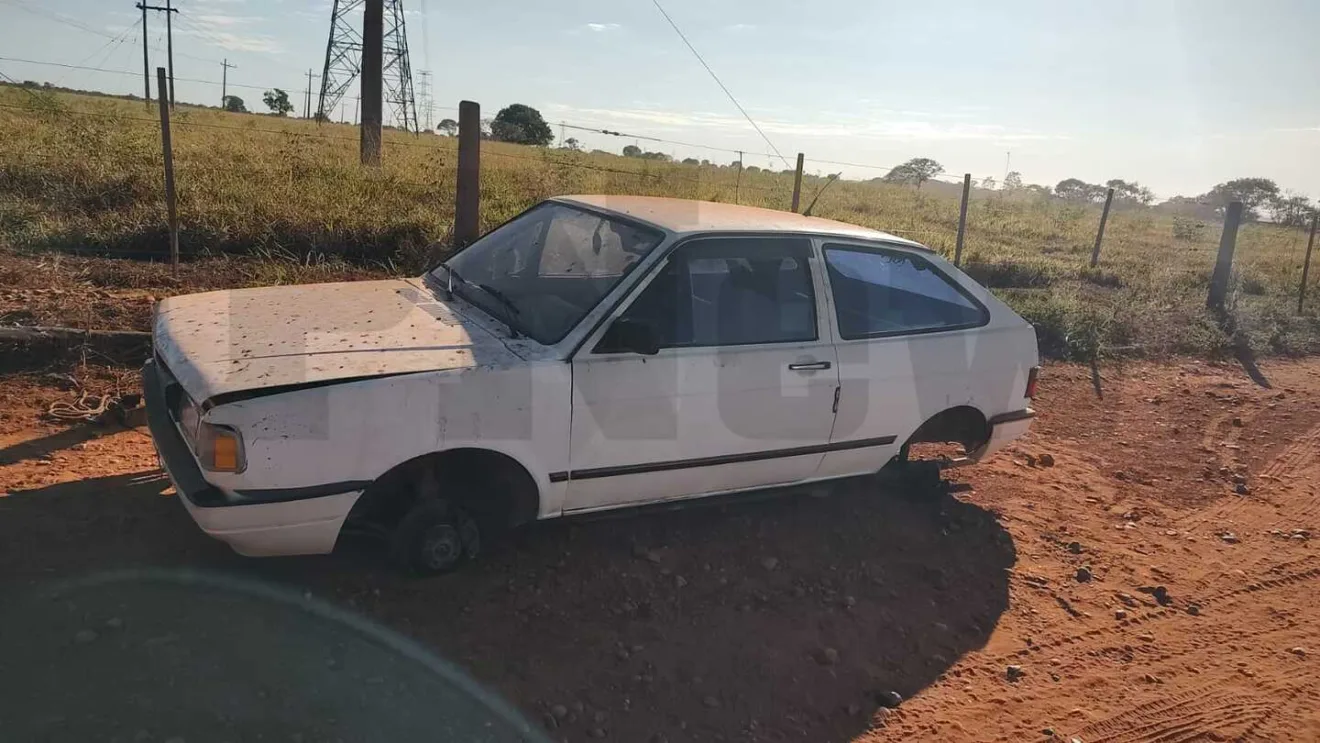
point(543, 271)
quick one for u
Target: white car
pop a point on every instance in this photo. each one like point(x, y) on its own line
point(594, 352)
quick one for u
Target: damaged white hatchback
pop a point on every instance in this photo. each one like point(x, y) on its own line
point(592, 353)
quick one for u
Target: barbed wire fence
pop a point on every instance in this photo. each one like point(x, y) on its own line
point(960, 233)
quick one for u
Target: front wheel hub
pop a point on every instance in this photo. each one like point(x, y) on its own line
point(441, 547)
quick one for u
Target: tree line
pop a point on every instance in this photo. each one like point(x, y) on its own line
point(1260, 197)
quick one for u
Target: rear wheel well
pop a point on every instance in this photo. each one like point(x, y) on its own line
point(493, 487)
point(963, 425)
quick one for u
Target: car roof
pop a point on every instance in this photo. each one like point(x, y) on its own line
point(687, 216)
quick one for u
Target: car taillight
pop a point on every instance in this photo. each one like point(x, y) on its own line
point(1032, 377)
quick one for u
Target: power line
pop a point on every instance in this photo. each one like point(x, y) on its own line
point(113, 44)
point(200, 32)
point(62, 19)
point(625, 135)
point(717, 79)
point(850, 165)
point(134, 74)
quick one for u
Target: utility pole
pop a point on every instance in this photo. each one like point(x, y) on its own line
point(146, 62)
point(169, 33)
point(373, 51)
point(224, 82)
point(307, 104)
point(169, 46)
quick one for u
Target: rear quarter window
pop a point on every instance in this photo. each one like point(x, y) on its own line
point(879, 293)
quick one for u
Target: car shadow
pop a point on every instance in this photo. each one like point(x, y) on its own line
point(70, 529)
point(51, 443)
point(789, 617)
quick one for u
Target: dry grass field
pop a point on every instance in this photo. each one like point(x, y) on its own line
point(82, 175)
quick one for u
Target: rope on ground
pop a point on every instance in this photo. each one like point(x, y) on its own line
point(90, 408)
point(87, 407)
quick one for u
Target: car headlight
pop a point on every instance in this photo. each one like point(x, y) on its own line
point(190, 416)
point(220, 448)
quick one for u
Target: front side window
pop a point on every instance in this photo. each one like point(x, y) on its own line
point(546, 269)
point(889, 292)
point(731, 292)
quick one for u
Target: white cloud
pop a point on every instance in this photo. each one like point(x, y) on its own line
point(222, 20)
point(740, 27)
point(225, 31)
point(241, 43)
point(601, 27)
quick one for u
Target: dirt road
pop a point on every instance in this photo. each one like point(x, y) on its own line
point(1140, 568)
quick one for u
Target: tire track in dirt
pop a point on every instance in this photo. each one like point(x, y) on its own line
point(1221, 710)
point(1225, 448)
point(1301, 454)
point(1228, 700)
point(1299, 461)
point(1186, 717)
point(1278, 502)
point(1231, 707)
point(1097, 637)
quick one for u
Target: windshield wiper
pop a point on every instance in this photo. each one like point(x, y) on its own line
point(456, 278)
point(501, 297)
point(445, 287)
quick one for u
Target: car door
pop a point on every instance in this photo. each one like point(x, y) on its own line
point(739, 392)
point(907, 334)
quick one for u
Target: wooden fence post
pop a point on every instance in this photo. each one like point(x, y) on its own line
point(1100, 233)
point(797, 184)
point(1306, 265)
point(962, 218)
point(467, 195)
point(737, 186)
point(168, 150)
point(1224, 264)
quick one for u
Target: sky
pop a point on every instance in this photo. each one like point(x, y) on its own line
point(1176, 94)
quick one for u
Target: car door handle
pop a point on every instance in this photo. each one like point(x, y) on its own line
point(809, 366)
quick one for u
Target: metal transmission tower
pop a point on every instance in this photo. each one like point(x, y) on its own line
point(424, 98)
point(343, 60)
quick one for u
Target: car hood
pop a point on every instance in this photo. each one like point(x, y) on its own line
point(224, 342)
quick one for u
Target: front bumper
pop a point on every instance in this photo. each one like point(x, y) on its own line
point(256, 528)
point(176, 458)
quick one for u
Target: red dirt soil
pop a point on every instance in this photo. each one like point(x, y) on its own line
point(1103, 580)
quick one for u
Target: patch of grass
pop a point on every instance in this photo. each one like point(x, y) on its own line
point(1008, 274)
point(268, 200)
point(1252, 285)
point(1101, 277)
